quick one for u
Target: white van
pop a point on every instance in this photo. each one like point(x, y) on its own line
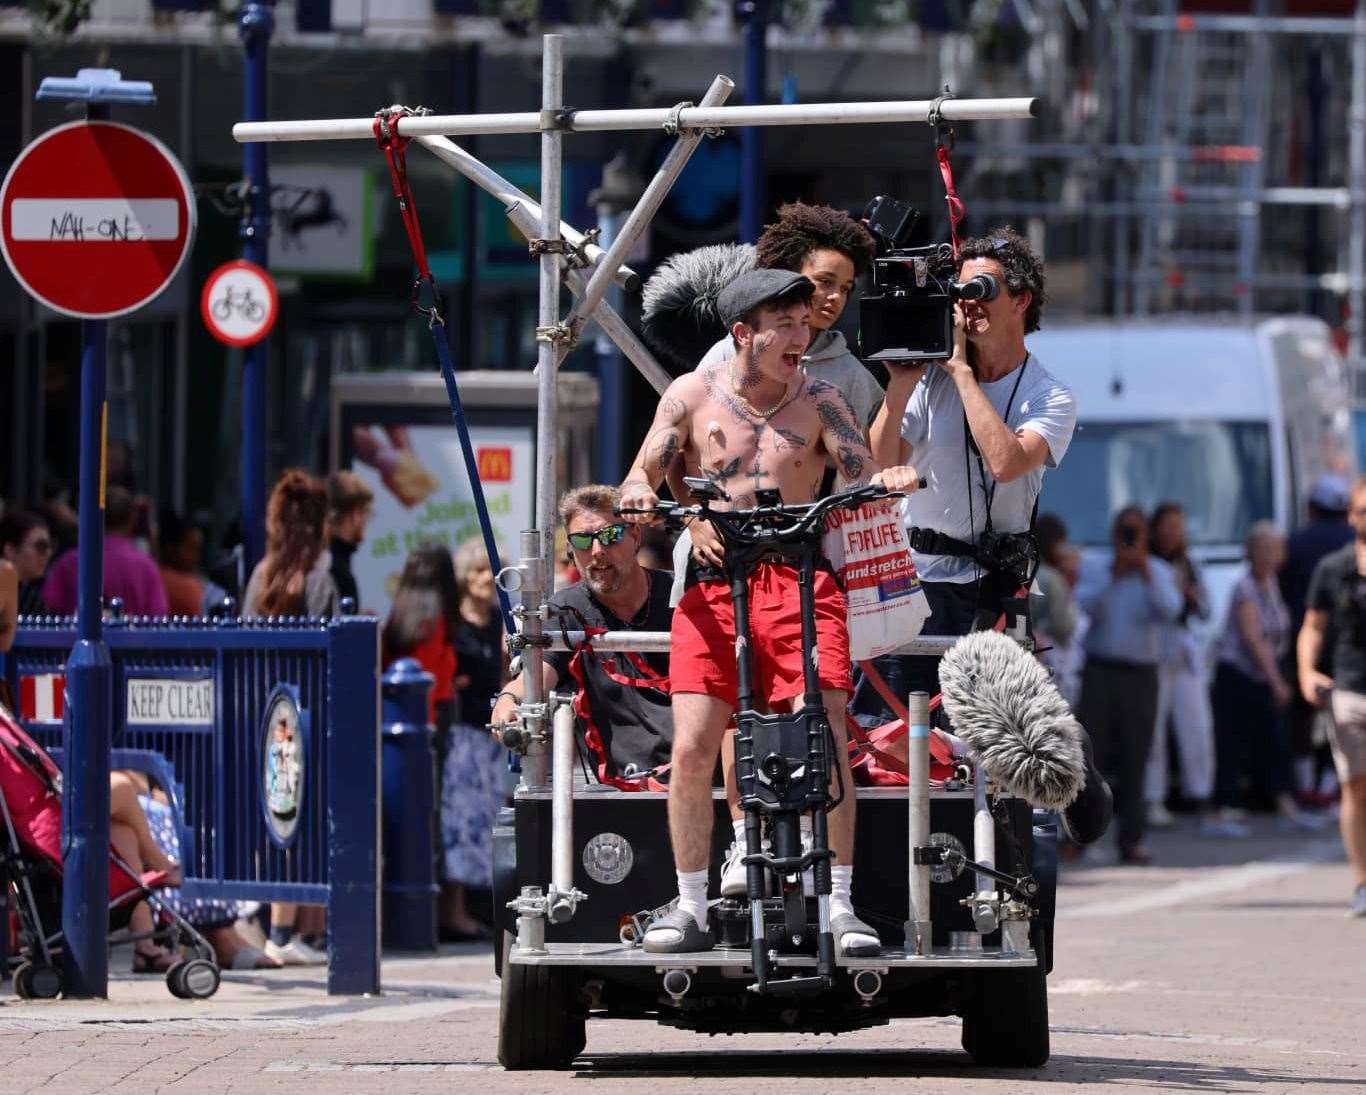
point(1233, 419)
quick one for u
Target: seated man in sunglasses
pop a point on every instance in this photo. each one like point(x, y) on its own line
point(633, 725)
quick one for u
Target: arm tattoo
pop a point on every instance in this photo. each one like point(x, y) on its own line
point(823, 390)
point(838, 423)
point(667, 450)
point(672, 409)
point(853, 464)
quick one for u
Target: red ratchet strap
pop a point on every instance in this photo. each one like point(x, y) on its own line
point(395, 147)
point(943, 145)
point(592, 736)
point(890, 698)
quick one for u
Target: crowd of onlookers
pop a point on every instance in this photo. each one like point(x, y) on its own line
point(1129, 635)
point(1165, 688)
point(444, 613)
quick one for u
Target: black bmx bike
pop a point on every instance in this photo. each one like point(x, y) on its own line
point(784, 761)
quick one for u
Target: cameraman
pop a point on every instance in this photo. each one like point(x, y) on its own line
point(981, 426)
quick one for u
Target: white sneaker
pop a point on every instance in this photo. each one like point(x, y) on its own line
point(295, 953)
point(734, 874)
point(1159, 817)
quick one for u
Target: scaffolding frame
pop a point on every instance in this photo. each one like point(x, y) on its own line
point(569, 257)
point(1130, 201)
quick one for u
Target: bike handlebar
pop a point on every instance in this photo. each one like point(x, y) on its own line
point(752, 525)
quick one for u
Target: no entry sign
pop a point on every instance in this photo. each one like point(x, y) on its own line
point(96, 218)
point(239, 303)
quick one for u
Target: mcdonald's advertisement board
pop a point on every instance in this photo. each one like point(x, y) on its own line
point(394, 430)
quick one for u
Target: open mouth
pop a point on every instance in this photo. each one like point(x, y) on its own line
point(792, 358)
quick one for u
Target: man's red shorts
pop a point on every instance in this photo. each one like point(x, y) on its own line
point(702, 658)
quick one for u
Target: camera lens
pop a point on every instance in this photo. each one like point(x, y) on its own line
point(978, 287)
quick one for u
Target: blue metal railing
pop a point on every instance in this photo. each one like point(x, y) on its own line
point(231, 849)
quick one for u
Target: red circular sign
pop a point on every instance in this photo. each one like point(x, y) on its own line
point(239, 303)
point(96, 218)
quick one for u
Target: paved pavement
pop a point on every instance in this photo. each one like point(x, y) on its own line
point(1226, 967)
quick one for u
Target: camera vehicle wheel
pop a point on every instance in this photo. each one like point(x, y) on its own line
point(1005, 1025)
point(36, 981)
point(540, 1015)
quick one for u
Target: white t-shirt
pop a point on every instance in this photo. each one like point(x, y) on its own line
point(934, 426)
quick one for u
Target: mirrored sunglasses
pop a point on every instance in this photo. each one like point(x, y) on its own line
point(606, 536)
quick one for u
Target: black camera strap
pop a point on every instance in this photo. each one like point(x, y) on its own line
point(970, 443)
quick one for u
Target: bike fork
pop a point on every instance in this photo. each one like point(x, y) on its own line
point(820, 755)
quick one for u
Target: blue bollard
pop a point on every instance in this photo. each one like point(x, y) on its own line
point(409, 809)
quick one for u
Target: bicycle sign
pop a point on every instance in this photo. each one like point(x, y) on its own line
point(239, 303)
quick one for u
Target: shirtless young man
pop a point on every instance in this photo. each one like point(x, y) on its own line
point(750, 423)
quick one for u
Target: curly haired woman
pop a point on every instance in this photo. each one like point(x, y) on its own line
point(294, 579)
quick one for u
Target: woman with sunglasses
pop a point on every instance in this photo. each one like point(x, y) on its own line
point(26, 544)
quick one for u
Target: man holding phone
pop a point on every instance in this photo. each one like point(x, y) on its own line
point(1128, 602)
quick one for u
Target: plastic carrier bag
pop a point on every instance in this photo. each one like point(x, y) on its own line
point(868, 549)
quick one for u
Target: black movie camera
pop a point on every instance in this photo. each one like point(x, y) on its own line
point(908, 314)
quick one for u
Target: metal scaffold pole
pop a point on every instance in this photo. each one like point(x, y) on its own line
point(538, 548)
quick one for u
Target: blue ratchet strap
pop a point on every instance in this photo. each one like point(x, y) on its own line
point(394, 148)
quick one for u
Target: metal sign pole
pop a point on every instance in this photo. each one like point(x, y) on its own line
point(89, 683)
point(255, 26)
point(86, 725)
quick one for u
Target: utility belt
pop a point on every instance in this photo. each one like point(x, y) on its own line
point(1012, 555)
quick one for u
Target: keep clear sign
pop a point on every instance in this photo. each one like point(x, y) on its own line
point(174, 701)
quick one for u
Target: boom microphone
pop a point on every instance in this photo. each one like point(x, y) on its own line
point(1005, 706)
point(679, 317)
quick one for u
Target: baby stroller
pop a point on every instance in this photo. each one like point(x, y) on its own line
point(31, 869)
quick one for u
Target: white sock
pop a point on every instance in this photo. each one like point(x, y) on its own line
point(841, 879)
point(692, 895)
point(738, 825)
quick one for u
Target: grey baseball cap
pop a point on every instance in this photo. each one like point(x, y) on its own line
point(756, 287)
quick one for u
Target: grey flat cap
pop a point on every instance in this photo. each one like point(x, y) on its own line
point(756, 287)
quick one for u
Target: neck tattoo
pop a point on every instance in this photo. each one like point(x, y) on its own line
point(783, 400)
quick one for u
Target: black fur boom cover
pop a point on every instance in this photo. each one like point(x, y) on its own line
point(679, 317)
point(1005, 706)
